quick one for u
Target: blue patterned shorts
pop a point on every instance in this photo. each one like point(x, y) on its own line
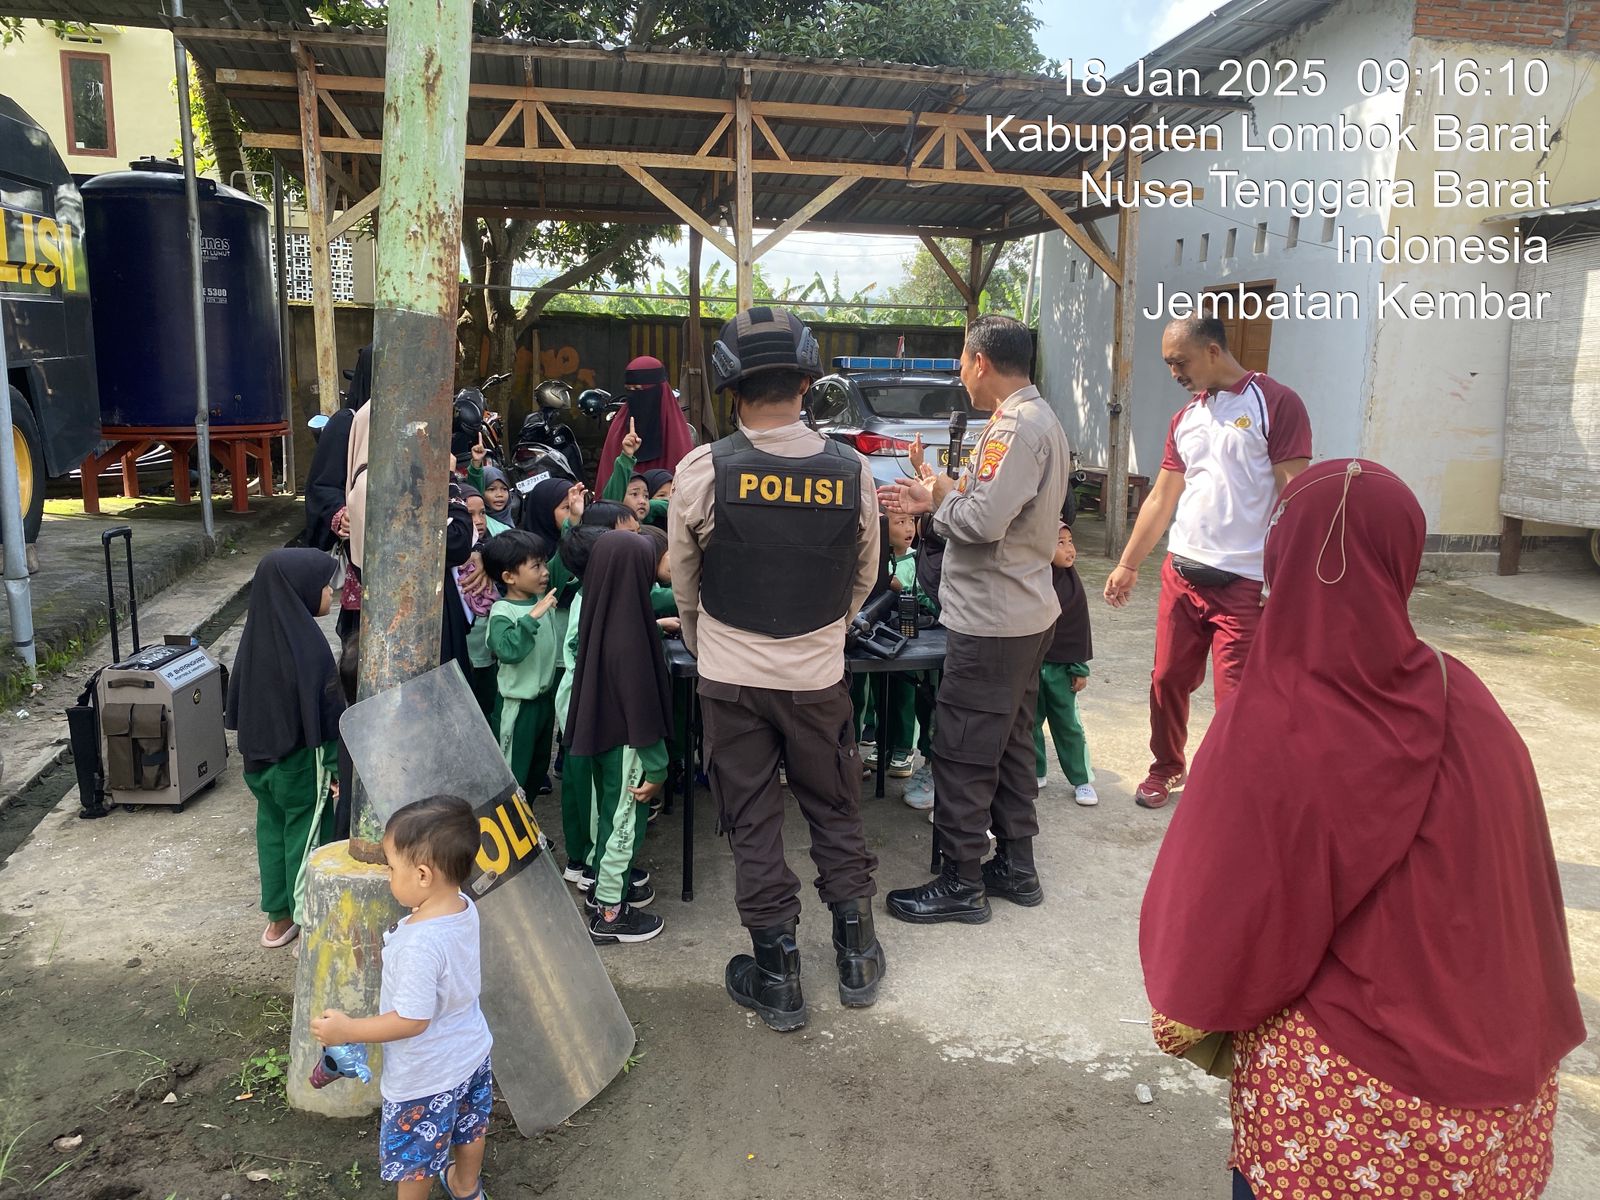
point(415, 1140)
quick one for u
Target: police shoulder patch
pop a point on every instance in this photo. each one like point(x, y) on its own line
point(994, 453)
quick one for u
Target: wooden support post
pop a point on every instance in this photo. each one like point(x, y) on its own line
point(974, 278)
point(1120, 430)
point(744, 199)
point(1510, 546)
point(317, 221)
point(694, 350)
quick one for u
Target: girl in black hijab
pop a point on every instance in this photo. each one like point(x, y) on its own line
point(1064, 674)
point(620, 718)
point(284, 700)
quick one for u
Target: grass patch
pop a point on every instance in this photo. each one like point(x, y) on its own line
point(54, 661)
point(263, 1074)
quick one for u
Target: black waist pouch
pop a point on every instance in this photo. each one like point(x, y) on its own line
point(1202, 575)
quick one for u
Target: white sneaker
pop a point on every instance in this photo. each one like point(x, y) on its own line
point(1086, 795)
point(919, 788)
point(1042, 780)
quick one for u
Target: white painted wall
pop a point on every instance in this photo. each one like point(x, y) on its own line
point(1327, 362)
point(1436, 414)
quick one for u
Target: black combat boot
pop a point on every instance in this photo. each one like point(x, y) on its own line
point(947, 898)
point(1010, 875)
point(770, 982)
point(861, 959)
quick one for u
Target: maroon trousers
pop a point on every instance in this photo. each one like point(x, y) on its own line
point(1191, 622)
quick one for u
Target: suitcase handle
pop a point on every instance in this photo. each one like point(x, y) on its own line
point(125, 532)
point(130, 683)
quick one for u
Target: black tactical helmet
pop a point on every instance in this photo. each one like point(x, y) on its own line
point(764, 339)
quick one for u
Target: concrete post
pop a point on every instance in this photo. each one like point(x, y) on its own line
point(419, 245)
point(414, 342)
point(348, 906)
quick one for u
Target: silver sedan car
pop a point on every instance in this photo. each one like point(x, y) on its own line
point(878, 405)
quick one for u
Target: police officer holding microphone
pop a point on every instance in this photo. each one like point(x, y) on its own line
point(1000, 523)
point(775, 545)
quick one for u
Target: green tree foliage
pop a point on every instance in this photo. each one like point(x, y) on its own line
point(982, 35)
point(926, 283)
point(14, 29)
point(816, 299)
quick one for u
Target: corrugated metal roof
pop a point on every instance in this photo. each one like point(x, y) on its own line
point(1235, 29)
point(1231, 31)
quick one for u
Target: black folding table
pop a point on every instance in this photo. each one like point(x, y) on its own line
point(922, 653)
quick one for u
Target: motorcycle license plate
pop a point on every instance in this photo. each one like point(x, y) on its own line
point(532, 481)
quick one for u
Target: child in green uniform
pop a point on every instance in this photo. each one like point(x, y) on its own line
point(620, 718)
point(1066, 673)
point(866, 691)
point(525, 643)
point(645, 493)
point(578, 815)
point(284, 699)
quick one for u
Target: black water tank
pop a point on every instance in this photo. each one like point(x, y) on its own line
point(138, 246)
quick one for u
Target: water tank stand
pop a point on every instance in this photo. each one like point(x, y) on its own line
point(236, 445)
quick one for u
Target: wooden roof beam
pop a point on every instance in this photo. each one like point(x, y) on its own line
point(616, 157)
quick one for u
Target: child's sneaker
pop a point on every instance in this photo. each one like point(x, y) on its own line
point(636, 878)
point(919, 791)
point(1086, 795)
point(869, 754)
point(640, 895)
point(575, 873)
point(900, 766)
point(1042, 780)
point(624, 923)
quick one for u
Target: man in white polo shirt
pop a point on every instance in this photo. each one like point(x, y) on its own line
point(1241, 438)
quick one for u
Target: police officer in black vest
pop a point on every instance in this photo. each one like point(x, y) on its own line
point(774, 538)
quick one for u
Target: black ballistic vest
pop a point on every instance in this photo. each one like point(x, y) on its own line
point(781, 560)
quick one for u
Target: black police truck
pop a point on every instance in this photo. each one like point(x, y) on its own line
point(44, 311)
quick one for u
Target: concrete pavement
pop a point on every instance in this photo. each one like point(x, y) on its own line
point(1000, 1060)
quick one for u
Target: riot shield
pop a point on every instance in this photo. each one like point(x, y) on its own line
point(560, 1033)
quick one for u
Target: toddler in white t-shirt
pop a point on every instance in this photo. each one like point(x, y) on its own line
point(435, 1080)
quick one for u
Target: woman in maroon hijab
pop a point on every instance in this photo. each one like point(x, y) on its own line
point(1359, 886)
point(652, 412)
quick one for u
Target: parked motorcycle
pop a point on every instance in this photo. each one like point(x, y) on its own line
point(546, 446)
point(472, 419)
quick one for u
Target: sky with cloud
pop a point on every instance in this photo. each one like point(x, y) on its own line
point(1118, 34)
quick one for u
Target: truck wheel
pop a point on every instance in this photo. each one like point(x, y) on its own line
point(30, 464)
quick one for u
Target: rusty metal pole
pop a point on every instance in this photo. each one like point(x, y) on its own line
point(413, 353)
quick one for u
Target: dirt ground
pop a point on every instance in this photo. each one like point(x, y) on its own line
point(144, 1030)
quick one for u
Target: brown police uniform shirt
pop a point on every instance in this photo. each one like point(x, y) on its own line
point(1002, 523)
point(807, 663)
